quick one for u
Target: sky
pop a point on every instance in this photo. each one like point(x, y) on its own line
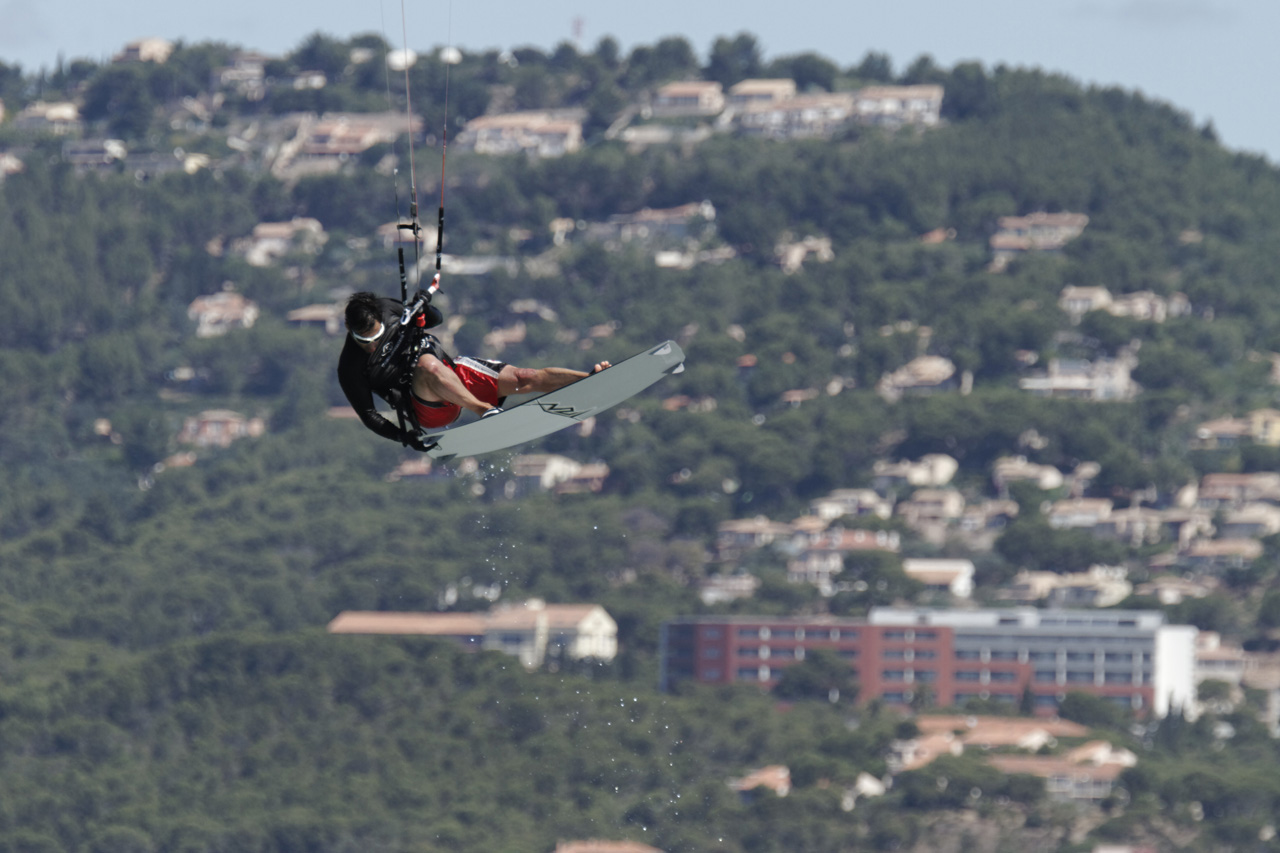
point(1214, 59)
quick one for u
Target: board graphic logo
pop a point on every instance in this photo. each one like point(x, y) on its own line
point(551, 407)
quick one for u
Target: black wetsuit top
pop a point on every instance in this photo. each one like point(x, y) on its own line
point(353, 374)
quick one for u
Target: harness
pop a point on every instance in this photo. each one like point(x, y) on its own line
point(392, 363)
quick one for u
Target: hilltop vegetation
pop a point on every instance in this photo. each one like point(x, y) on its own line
point(167, 684)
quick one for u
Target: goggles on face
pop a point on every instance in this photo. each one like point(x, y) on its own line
point(372, 337)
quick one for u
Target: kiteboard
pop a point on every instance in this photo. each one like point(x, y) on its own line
point(557, 410)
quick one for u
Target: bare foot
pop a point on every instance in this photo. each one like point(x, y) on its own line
point(601, 366)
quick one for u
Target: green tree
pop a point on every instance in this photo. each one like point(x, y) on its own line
point(822, 675)
point(733, 59)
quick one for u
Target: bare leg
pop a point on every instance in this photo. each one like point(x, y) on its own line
point(434, 382)
point(529, 380)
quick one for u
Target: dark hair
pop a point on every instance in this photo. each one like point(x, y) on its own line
point(363, 311)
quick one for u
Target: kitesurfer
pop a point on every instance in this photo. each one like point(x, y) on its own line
point(439, 387)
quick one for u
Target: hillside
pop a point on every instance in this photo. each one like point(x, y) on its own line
point(167, 681)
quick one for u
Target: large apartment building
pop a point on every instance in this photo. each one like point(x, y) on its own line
point(1130, 657)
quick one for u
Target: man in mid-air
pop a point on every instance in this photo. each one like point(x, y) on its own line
point(438, 386)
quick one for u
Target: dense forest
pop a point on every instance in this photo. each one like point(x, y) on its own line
point(167, 682)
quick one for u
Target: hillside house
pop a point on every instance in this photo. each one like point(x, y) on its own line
point(913, 753)
point(980, 524)
point(942, 734)
point(1079, 513)
point(800, 117)
point(982, 732)
point(246, 75)
point(155, 50)
point(219, 428)
point(1064, 779)
point(59, 118)
point(536, 133)
point(1264, 427)
point(1225, 491)
point(1105, 379)
point(688, 98)
point(895, 106)
point(953, 577)
point(1035, 232)
point(775, 777)
point(94, 154)
point(752, 91)
point(219, 313)
point(534, 632)
point(1221, 434)
point(1173, 589)
point(270, 241)
point(1148, 306)
point(548, 472)
point(1016, 469)
point(1139, 305)
point(663, 226)
point(739, 535)
point(791, 255)
point(717, 589)
point(1100, 586)
point(822, 557)
point(930, 511)
point(1134, 525)
point(851, 502)
point(1216, 555)
point(327, 316)
point(340, 136)
point(598, 846)
point(931, 470)
point(927, 374)
point(1219, 661)
point(1251, 521)
point(1076, 301)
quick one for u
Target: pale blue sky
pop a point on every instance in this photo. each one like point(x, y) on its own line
point(1213, 58)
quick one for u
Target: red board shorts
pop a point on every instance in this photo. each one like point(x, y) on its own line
point(479, 375)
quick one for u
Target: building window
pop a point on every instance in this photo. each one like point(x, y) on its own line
point(748, 651)
point(1004, 654)
point(1118, 678)
point(1046, 676)
point(926, 636)
point(925, 654)
point(711, 674)
point(748, 632)
point(1079, 678)
point(895, 635)
point(848, 654)
point(747, 673)
point(784, 634)
point(711, 633)
point(1043, 657)
point(895, 698)
point(895, 654)
point(711, 652)
point(894, 675)
point(968, 654)
point(970, 675)
point(926, 676)
point(1004, 677)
